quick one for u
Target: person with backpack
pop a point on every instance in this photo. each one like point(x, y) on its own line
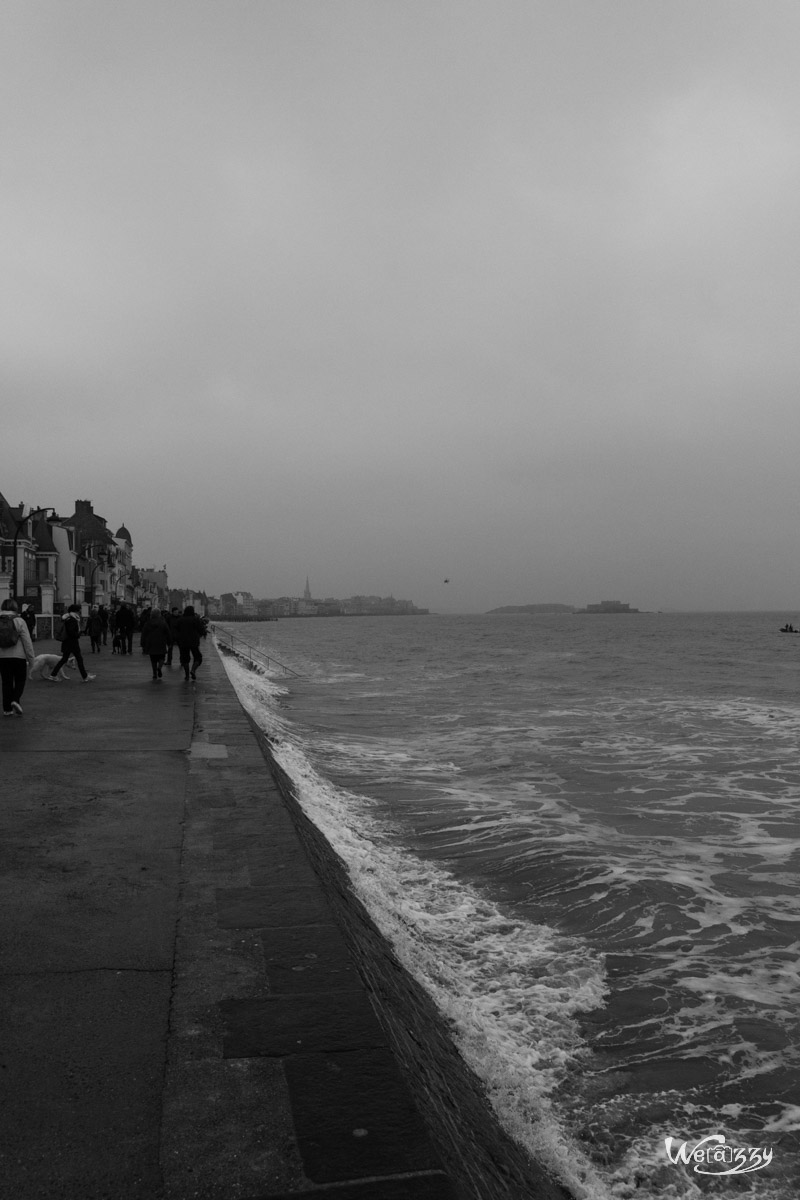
point(16, 655)
point(70, 644)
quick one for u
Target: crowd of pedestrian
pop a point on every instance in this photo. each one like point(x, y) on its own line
point(160, 634)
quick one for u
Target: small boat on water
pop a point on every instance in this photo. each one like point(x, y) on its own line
point(788, 629)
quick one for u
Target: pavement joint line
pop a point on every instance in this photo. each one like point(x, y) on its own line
point(358, 1181)
point(87, 971)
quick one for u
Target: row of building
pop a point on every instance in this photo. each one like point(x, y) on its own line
point(49, 562)
point(243, 606)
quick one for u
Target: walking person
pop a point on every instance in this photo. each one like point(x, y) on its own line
point(188, 631)
point(71, 644)
point(155, 641)
point(125, 625)
point(144, 617)
point(172, 621)
point(116, 646)
point(104, 620)
point(94, 628)
point(16, 656)
point(29, 617)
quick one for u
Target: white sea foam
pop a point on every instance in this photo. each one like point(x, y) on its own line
point(511, 989)
point(788, 1121)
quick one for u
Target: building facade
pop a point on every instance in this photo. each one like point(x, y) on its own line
point(49, 562)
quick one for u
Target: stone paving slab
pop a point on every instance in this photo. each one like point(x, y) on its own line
point(307, 959)
point(299, 1023)
point(279, 863)
point(78, 1037)
point(256, 907)
point(354, 1117)
point(238, 1140)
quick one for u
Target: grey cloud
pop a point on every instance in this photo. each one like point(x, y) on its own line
point(364, 291)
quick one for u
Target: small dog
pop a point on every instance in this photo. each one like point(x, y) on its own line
point(116, 644)
point(43, 665)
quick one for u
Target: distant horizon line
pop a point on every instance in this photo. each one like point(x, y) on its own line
point(642, 612)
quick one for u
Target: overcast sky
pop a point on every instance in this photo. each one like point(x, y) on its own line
point(388, 292)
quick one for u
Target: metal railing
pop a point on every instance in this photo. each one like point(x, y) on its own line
point(233, 644)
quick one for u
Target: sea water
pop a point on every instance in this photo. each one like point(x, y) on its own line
point(581, 834)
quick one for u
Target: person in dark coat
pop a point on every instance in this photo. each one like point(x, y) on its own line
point(116, 641)
point(172, 621)
point(125, 626)
point(70, 643)
point(188, 631)
point(29, 617)
point(144, 617)
point(94, 628)
point(155, 640)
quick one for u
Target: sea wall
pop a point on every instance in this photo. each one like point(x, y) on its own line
point(487, 1163)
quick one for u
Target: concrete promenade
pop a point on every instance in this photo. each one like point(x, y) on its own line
point(180, 1016)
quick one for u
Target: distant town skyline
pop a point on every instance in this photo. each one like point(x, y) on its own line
point(241, 605)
